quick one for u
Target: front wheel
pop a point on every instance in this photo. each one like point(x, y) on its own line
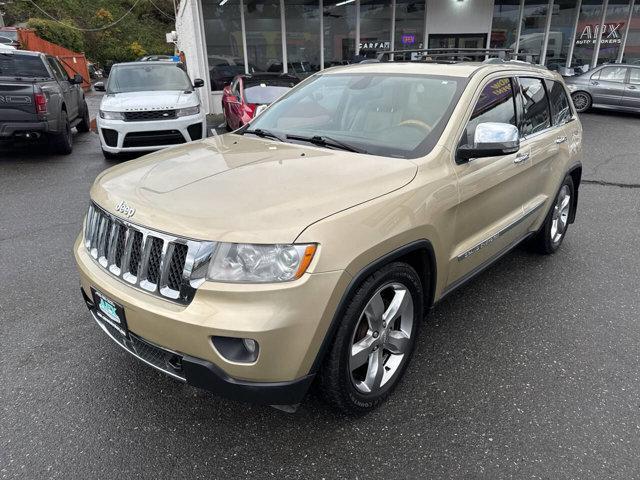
point(582, 101)
point(85, 120)
point(62, 142)
point(374, 341)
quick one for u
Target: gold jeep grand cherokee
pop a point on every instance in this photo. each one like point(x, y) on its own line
point(310, 244)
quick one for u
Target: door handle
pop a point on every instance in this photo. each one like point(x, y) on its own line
point(521, 157)
point(593, 82)
point(561, 139)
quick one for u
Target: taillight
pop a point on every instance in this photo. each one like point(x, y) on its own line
point(41, 102)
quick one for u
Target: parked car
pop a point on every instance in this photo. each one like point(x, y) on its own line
point(300, 69)
point(157, 58)
point(248, 95)
point(614, 87)
point(149, 106)
point(9, 36)
point(38, 98)
point(223, 69)
point(312, 243)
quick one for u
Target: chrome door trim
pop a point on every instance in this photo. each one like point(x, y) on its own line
point(480, 245)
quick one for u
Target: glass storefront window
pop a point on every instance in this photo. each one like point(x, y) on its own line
point(223, 34)
point(264, 35)
point(339, 33)
point(632, 49)
point(614, 24)
point(409, 28)
point(504, 26)
point(302, 18)
point(586, 34)
point(375, 27)
point(534, 22)
point(561, 33)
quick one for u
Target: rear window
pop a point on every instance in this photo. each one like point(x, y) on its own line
point(16, 65)
point(263, 94)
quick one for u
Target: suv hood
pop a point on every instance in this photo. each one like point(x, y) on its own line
point(160, 100)
point(243, 189)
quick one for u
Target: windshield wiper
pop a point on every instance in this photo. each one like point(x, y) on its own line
point(263, 134)
point(324, 141)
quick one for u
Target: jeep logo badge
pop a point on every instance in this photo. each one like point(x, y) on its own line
point(125, 209)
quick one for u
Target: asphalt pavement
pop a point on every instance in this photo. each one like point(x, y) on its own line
point(530, 371)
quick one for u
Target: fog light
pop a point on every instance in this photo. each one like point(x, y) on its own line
point(240, 350)
point(250, 345)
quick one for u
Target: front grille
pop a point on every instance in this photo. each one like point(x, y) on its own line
point(165, 360)
point(154, 138)
point(149, 115)
point(155, 262)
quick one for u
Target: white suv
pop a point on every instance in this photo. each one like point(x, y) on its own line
point(148, 106)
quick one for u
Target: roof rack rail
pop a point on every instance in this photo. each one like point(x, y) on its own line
point(454, 55)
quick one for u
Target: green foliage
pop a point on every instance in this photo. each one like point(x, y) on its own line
point(143, 30)
point(56, 33)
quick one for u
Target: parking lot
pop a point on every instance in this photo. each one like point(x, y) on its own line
point(530, 371)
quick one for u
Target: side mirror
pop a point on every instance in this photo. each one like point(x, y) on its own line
point(198, 83)
point(77, 79)
point(99, 87)
point(491, 139)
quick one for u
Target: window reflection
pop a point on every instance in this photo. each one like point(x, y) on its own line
point(339, 34)
point(561, 33)
point(302, 20)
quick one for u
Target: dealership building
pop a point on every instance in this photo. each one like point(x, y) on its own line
point(222, 38)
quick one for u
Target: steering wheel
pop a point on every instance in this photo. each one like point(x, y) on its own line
point(416, 123)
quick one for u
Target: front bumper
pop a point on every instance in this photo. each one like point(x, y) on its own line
point(117, 136)
point(289, 322)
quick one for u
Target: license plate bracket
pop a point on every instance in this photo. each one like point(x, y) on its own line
point(110, 312)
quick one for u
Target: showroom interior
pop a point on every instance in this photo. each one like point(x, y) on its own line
point(222, 38)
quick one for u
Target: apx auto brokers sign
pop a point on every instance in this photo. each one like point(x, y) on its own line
point(611, 34)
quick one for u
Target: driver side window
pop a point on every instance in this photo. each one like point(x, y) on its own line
point(496, 104)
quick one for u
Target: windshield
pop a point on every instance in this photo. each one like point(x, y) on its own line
point(16, 65)
point(144, 78)
point(382, 114)
point(10, 34)
point(264, 94)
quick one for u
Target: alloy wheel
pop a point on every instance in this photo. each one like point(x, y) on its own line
point(381, 338)
point(560, 215)
point(580, 101)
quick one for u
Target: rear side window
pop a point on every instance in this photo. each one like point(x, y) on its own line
point(536, 116)
point(634, 76)
point(16, 65)
point(496, 104)
point(613, 74)
point(560, 110)
point(58, 71)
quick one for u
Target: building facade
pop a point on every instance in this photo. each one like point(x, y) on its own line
point(222, 38)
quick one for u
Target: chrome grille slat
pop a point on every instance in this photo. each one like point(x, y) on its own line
point(155, 262)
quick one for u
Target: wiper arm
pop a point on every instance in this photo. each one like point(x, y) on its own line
point(324, 141)
point(263, 134)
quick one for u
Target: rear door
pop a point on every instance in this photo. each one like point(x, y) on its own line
point(631, 97)
point(607, 88)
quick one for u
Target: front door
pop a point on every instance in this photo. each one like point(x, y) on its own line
point(607, 85)
point(492, 190)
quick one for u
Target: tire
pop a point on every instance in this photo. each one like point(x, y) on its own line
point(550, 236)
point(62, 143)
point(109, 155)
point(85, 123)
point(582, 101)
point(386, 347)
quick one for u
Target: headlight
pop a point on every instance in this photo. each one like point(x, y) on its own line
point(185, 112)
point(247, 263)
point(111, 115)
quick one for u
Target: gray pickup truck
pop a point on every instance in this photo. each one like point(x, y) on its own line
point(39, 99)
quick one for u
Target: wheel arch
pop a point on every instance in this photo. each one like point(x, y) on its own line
point(419, 254)
point(575, 173)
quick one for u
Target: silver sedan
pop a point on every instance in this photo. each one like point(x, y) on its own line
point(615, 87)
